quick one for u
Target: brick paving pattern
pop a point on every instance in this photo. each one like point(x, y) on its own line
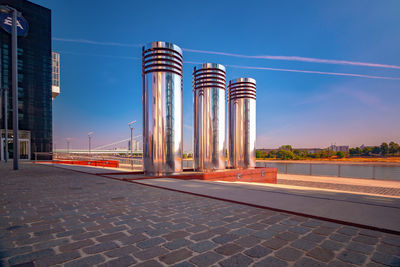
point(50, 217)
point(344, 187)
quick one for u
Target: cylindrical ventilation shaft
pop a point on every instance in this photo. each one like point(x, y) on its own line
point(162, 108)
point(209, 117)
point(242, 123)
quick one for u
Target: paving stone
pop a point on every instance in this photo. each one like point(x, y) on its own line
point(314, 238)
point(86, 261)
point(51, 243)
point(110, 237)
point(321, 254)
point(278, 228)
point(247, 241)
point(225, 238)
point(288, 236)
point(14, 251)
point(271, 261)
point(175, 235)
point(237, 260)
point(85, 235)
point(150, 253)
point(338, 263)
point(340, 237)
point(206, 259)
point(312, 223)
point(100, 247)
point(177, 243)
point(202, 246)
point(348, 231)
point(57, 259)
point(132, 239)
point(290, 222)
point(150, 263)
point(366, 239)
point(184, 264)
point(263, 234)
point(220, 230)
point(70, 233)
point(360, 247)
point(274, 243)
point(332, 245)
point(288, 254)
point(386, 259)
point(125, 260)
point(300, 229)
point(242, 232)
point(323, 230)
point(388, 249)
point(152, 242)
point(258, 251)
point(228, 249)
point(201, 236)
point(119, 252)
point(391, 240)
point(76, 245)
point(196, 228)
point(372, 233)
point(31, 256)
point(176, 256)
point(352, 257)
point(307, 262)
point(303, 244)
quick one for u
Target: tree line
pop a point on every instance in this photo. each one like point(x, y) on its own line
point(286, 152)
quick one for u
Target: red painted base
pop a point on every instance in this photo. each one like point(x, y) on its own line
point(257, 175)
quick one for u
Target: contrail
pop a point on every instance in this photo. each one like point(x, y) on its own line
point(307, 71)
point(250, 67)
point(296, 58)
point(84, 41)
point(270, 57)
point(317, 72)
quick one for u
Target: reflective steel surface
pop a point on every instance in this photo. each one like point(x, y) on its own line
point(209, 117)
point(162, 108)
point(242, 123)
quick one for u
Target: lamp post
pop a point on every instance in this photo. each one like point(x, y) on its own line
point(5, 123)
point(131, 127)
point(68, 139)
point(90, 137)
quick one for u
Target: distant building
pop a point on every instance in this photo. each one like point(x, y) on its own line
point(34, 81)
point(55, 84)
point(308, 150)
point(336, 148)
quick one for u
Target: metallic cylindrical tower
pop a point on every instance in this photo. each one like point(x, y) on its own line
point(242, 123)
point(162, 108)
point(209, 117)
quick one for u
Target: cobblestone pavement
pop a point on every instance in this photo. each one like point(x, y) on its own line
point(388, 191)
point(51, 216)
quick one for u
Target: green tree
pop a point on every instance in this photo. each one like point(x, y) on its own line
point(384, 148)
point(259, 154)
point(366, 151)
point(286, 147)
point(284, 154)
point(393, 148)
point(340, 154)
point(376, 150)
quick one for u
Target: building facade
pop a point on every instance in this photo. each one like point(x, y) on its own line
point(34, 81)
point(55, 77)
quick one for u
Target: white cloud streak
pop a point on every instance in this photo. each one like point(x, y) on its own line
point(268, 57)
point(317, 72)
point(296, 58)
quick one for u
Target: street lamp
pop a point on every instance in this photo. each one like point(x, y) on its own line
point(90, 137)
point(131, 127)
point(68, 139)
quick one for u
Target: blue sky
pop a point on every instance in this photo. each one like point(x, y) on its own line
point(100, 52)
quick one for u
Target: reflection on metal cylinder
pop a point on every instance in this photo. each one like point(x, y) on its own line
point(209, 117)
point(162, 108)
point(242, 123)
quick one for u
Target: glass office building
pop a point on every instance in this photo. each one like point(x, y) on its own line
point(34, 81)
